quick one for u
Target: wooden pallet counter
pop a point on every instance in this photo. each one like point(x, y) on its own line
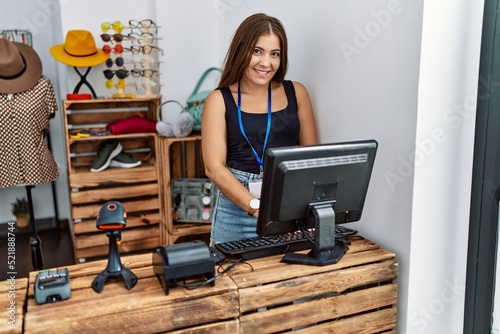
point(143, 309)
point(356, 295)
point(12, 301)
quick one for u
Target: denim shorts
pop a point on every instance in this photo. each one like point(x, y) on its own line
point(229, 221)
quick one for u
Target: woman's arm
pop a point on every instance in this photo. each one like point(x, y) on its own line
point(307, 134)
point(214, 148)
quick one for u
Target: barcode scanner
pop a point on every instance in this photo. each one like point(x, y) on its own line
point(112, 218)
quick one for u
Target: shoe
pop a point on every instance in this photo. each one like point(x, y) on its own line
point(107, 151)
point(124, 160)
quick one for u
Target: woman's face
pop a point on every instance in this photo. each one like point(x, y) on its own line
point(265, 60)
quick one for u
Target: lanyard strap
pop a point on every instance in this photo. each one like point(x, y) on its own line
point(260, 160)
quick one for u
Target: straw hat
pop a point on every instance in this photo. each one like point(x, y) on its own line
point(20, 67)
point(79, 50)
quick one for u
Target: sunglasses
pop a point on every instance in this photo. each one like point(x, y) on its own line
point(141, 84)
point(115, 37)
point(139, 59)
point(146, 24)
point(141, 37)
point(136, 73)
point(117, 26)
point(121, 74)
point(107, 49)
point(118, 61)
point(146, 49)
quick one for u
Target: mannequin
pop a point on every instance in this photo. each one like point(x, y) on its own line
point(24, 119)
point(27, 103)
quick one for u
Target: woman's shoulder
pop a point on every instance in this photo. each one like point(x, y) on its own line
point(214, 96)
point(297, 86)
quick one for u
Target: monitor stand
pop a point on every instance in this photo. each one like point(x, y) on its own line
point(325, 251)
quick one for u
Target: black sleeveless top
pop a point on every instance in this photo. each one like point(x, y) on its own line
point(285, 128)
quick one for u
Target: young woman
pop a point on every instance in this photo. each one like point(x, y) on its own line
point(252, 109)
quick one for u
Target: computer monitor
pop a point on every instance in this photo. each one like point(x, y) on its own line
point(315, 186)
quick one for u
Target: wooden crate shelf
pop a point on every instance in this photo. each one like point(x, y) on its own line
point(138, 189)
point(182, 158)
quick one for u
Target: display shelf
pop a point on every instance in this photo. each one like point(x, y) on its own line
point(182, 158)
point(138, 188)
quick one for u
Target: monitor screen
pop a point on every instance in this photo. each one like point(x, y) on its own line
point(315, 186)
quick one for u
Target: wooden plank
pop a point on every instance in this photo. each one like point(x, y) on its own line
point(12, 302)
point(316, 285)
point(102, 195)
point(86, 178)
point(88, 117)
point(373, 322)
point(90, 211)
point(109, 102)
point(189, 162)
point(125, 247)
point(100, 238)
point(182, 230)
point(91, 144)
point(144, 220)
point(133, 313)
point(317, 310)
point(230, 326)
point(283, 271)
point(360, 244)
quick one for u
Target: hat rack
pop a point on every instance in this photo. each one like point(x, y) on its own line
point(142, 38)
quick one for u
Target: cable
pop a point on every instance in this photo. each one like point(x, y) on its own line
point(196, 285)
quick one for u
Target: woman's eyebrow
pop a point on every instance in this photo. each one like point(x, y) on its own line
point(261, 48)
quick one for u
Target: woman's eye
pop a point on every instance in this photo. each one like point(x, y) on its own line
point(257, 51)
point(276, 54)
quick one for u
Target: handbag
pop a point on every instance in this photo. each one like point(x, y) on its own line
point(195, 101)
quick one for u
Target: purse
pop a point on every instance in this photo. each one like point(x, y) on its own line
point(195, 101)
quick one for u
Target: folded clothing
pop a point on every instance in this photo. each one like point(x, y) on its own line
point(132, 124)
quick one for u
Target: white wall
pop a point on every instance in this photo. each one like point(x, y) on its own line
point(371, 73)
point(448, 87)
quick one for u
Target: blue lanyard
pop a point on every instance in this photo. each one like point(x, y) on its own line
point(260, 160)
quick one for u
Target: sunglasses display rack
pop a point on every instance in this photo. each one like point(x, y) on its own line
point(134, 57)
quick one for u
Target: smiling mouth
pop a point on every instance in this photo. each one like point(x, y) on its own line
point(262, 73)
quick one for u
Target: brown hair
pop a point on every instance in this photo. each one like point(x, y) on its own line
point(244, 40)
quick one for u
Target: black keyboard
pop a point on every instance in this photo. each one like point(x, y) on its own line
point(258, 247)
